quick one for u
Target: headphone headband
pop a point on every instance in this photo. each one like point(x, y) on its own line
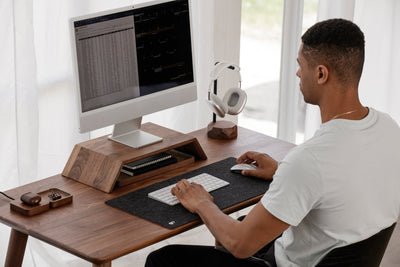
point(219, 68)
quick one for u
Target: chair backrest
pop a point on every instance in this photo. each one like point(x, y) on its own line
point(368, 252)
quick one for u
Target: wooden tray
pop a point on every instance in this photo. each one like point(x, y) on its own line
point(45, 204)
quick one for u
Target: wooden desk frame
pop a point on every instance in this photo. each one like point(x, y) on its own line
point(98, 233)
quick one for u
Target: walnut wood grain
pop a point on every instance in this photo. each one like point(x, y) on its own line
point(98, 233)
point(16, 249)
point(98, 162)
point(222, 130)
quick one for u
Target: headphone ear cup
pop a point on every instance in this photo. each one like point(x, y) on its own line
point(217, 105)
point(235, 99)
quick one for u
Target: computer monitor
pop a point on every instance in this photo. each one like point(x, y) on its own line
point(131, 62)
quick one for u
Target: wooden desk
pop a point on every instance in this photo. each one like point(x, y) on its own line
point(98, 233)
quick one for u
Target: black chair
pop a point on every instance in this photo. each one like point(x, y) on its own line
point(365, 253)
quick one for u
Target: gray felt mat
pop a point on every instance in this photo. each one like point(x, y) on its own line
point(240, 189)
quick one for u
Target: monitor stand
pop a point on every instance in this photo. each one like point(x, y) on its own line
point(98, 162)
point(129, 133)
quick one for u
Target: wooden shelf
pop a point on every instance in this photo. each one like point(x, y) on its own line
point(182, 160)
point(98, 162)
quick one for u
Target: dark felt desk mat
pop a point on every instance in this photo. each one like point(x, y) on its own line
point(241, 188)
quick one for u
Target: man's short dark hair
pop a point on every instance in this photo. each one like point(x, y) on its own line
point(337, 44)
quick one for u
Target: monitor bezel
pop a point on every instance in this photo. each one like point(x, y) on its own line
point(137, 107)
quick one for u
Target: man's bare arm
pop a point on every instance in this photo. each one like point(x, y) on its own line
point(242, 239)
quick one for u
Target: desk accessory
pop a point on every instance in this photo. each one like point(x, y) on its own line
point(241, 188)
point(54, 195)
point(31, 199)
point(7, 196)
point(51, 198)
point(232, 103)
point(98, 162)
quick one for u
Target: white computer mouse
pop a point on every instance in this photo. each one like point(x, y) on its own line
point(237, 168)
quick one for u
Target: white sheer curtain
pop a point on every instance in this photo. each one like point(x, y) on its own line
point(18, 101)
point(380, 82)
point(37, 106)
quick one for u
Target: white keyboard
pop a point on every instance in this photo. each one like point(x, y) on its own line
point(209, 182)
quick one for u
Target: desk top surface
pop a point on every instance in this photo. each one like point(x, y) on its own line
point(92, 230)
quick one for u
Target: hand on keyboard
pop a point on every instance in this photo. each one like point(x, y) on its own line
point(191, 194)
point(208, 182)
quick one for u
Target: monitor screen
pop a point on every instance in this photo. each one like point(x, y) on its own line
point(131, 62)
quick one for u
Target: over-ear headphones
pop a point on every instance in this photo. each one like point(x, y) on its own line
point(234, 99)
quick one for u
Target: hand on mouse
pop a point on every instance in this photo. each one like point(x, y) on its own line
point(266, 164)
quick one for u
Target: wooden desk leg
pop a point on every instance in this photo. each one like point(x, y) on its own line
point(107, 264)
point(16, 249)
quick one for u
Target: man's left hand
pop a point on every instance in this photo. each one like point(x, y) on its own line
point(191, 195)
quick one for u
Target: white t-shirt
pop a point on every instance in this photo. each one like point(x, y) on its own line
point(339, 187)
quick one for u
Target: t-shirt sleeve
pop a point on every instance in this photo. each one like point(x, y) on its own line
point(296, 187)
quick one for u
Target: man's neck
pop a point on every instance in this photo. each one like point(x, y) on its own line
point(340, 105)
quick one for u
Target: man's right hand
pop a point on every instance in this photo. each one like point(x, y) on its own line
point(266, 164)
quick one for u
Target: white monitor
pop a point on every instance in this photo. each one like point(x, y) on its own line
point(131, 62)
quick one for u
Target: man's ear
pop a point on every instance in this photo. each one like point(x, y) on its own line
point(323, 74)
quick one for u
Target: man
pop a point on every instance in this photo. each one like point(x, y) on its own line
point(335, 189)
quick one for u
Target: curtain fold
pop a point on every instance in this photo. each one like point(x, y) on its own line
point(26, 107)
point(18, 102)
point(19, 109)
point(380, 82)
